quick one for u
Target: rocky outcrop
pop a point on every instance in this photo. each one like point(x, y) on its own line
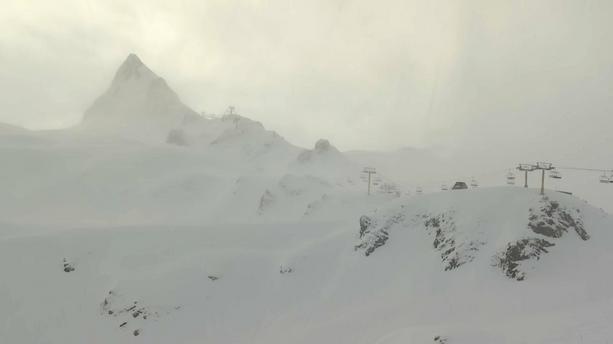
point(527, 240)
point(453, 254)
point(509, 261)
point(440, 340)
point(68, 266)
point(266, 201)
point(373, 237)
point(552, 220)
point(441, 226)
point(131, 313)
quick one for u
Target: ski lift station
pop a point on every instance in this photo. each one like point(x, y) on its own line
point(459, 186)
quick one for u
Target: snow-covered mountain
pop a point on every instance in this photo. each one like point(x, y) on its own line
point(142, 157)
point(138, 102)
point(150, 223)
point(500, 265)
point(139, 105)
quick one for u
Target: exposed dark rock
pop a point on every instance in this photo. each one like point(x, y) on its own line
point(365, 222)
point(136, 332)
point(285, 269)
point(440, 340)
point(442, 227)
point(375, 238)
point(266, 200)
point(68, 267)
point(553, 221)
point(379, 239)
point(453, 255)
point(509, 260)
point(114, 306)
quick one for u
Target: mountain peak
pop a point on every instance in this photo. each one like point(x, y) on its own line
point(133, 68)
point(138, 102)
point(133, 58)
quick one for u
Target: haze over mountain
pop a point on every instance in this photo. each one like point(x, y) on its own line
point(149, 222)
point(138, 102)
point(145, 157)
point(139, 106)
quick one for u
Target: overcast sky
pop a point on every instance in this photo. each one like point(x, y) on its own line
point(486, 75)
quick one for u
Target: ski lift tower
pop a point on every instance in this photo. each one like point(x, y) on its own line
point(526, 168)
point(231, 112)
point(370, 171)
point(543, 166)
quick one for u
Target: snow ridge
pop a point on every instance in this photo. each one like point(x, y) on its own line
point(459, 238)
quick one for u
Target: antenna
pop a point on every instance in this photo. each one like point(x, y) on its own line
point(231, 112)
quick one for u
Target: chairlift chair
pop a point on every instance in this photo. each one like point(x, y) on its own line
point(473, 183)
point(444, 187)
point(555, 174)
point(418, 190)
point(605, 179)
point(510, 178)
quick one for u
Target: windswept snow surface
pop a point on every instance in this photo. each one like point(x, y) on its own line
point(151, 224)
point(305, 281)
point(72, 179)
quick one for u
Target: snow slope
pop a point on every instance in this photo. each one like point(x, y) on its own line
point(79, 181)
point(149, 223)
point(309, 281)
point(143, 157)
